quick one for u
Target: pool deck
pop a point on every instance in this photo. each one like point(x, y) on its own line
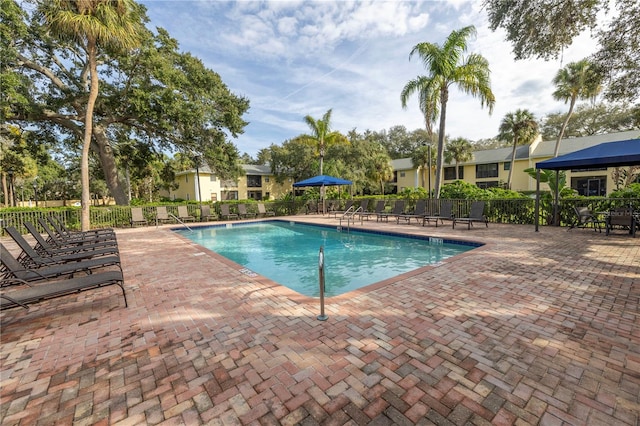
point(531, 329)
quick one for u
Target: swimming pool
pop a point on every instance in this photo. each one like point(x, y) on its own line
point(287, 253)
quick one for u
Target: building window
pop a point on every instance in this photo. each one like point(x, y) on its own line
point(450, 173)
point(186, 178)
point(486, 170)
point(254, 195)
point(401, 174)
point(266, 179)
point(507, 165)
point(212, 178)
point(254, 181)
point(489, 184)
point(594, 186)
point(229, 195)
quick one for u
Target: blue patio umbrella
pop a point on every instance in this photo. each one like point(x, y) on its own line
point(322, 181)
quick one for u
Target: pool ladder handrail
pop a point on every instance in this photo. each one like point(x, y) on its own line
point(178, 220)
point(350, 215)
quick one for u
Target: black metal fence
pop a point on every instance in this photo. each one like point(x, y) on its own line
point(514, 211)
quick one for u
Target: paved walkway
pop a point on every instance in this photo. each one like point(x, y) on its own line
point(532, 329)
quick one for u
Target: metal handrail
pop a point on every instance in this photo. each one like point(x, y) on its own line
point(178, 219)
point(349, 216)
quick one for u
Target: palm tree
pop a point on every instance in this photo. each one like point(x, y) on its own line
point(380, 169)
point(519, 127)
point(447, 66)
point(321, 135)
point(458, 150)
point(578, 80)
point(93, 25)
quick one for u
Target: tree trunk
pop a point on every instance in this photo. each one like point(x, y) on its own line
point(444, 95)
point(564, 126)
point(109, 166)
point(5, 190)
point(85, 219)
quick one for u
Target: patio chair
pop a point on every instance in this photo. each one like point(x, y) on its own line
point(61, 229)
point(243, 212)
point(584, 217)
point(476, 214)
point(30, 294)
point(262, 211)
point(184, 216)
point(379, 209)
point(14, 272)
point(206, 214)
point(362, 209)
point(162, 215)
point(418, 213)
point(226, 213)
point(621, 219)
point(137, 217)
point(30, 257)
point(446, 213)
point(398, 209)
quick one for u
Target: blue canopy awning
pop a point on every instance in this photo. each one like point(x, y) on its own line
point(322, 180)
point(611, 154)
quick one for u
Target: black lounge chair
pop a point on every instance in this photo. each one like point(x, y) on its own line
point(398, 209)
point(43, 247)
point(58, 225)
point(225, 213)
point(30, 257)
point(418, 213)
point(243, 212)
point(347, 208)
point(379, 209)
point(34, 293)
point(13, 271)
point(446, 213)
point(57, 239)
point(476, 214)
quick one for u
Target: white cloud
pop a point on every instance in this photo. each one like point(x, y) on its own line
point(293, 58)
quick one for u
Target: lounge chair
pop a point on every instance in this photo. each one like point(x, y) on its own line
point(262, 211)
point(57, 239)
point(398, 209)
point(362, 209)
point(30, 294)
point(347, 208)
point(584, 217)
point(380, 204)
point(206, 214)
point(623, 218)
point(446, 213)
point(13, 271)
point(476, 214)
point(242, 211)
point(226, 214)
point(418, 213)
point(30, 257)
point(184, 216)
point(137, 217)
point(162, 215)
point(45, 248)
point(58, 225)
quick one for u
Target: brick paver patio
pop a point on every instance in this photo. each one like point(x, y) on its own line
point(532, 329)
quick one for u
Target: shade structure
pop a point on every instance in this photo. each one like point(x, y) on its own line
point(610, 154)
point(322, 180)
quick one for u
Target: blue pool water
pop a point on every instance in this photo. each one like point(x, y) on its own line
point(287, 253)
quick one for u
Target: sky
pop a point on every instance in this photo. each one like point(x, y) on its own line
point(297, 58)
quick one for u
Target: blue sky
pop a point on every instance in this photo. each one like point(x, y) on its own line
point(298, 58)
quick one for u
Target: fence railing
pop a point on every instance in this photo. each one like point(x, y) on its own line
point(514, 211)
